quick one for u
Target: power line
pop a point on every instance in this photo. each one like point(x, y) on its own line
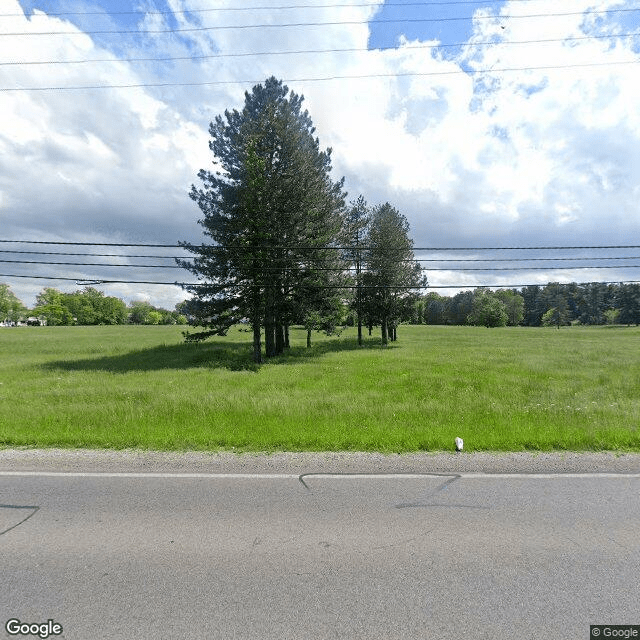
point(354, 270)
point(457, 260)
point(318, 51)
point(334, 269)
point(324, 79)
point(99, 281)
point(315, 24)
point(96, 255)
point(95, 264)
point(438, 260)
point(572, 268)
point(93, 244)
point(260, 8)
point(320, 247)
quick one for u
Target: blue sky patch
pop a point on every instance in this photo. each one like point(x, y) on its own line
point(446, 21)
point(103, 15)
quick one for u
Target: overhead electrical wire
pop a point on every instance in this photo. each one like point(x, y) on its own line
point(572, 268)
point(323, 79)
point(337, 269)
point(315, 24)
point(458, 269)
point(438, 260)
point(406, 47)
point(98, 281)
point(321, 247)
point(95, 255)
point(327, 78)
point(82, 281)
point(458, 286)
point(95, 264)
point(263, 8)
point(457, 261)
point(93, 244)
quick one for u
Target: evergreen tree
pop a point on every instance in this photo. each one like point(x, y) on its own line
point(593, 302)
point(533, 305)
point(555, 299)
point(435, 308)
point(573, 295)
point(356, 226)
point(627, 300)
point(393, 275)
point(273, 214)
point(459, 308)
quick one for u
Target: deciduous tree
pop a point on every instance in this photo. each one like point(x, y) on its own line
point(488, 311)
point(50, 305)
point(11, 308)
point(514, 305)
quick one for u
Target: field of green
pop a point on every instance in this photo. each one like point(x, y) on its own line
point(505, 389)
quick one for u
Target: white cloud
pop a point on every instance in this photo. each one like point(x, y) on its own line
point(499, 158)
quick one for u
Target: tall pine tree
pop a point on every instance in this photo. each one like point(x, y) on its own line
point(393, 275)
point(273, 214)
point(356, 228)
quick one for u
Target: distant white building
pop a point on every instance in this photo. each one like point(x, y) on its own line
point(32, 321)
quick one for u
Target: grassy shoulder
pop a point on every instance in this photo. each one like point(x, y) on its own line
point(507, 389)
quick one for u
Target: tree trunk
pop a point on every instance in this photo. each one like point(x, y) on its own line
point(269, 339)
point(308, 338)
point(359, 305)
point(269, 326)
point(279, 337)
point(385, 332)
point(286, 336)
point(257, 346)
point(255, 321)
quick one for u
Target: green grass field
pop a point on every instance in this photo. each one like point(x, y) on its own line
point(507, 389)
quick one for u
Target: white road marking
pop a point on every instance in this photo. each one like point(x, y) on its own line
point(471, 475)
point(550, 475)
point(127, 474)
point(328, 475)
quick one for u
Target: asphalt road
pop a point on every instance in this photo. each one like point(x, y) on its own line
point(158, 553)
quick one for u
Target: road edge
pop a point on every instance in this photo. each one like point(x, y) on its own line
point(141, 461)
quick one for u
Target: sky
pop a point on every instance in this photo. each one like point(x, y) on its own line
point(487, 124)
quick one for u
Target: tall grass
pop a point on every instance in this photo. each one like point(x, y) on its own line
point(500, 389)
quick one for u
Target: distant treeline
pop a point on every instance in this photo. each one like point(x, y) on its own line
point(554, 304)
point(84, 307)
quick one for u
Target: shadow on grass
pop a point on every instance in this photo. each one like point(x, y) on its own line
point(232, 355)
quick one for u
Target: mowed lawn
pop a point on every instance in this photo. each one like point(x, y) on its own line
point(507, 389)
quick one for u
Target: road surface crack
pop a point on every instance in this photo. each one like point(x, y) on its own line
point(14, 506)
